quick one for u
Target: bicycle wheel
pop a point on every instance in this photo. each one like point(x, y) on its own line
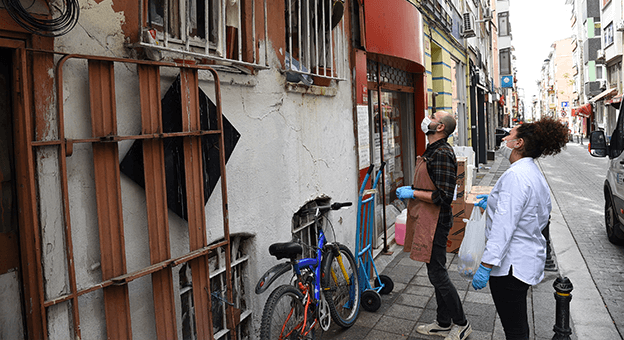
point(283, 316)
point(341, 287)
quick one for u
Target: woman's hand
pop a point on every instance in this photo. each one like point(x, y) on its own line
point(483, 202)
point(481, 277)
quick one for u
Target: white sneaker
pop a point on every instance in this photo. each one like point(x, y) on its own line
point(433, 329)
point(459, 332)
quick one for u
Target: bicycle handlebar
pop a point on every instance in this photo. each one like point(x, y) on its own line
point(324, 208)
point(338, 205)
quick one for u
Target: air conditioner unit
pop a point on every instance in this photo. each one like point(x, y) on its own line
point(487, 13)
point(619, 26)
point(469, 25)
point(603, 84)
point(600, 56)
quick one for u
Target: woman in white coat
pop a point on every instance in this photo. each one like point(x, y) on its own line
point(518, 208)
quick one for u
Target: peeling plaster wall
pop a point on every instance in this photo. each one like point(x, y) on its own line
point(293, 148)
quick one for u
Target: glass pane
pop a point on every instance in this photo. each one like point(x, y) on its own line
point(393, 139)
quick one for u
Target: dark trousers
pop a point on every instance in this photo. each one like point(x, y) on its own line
point(449, 305)
point(510, 297)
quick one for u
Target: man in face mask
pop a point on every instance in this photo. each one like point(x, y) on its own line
point(429, 220)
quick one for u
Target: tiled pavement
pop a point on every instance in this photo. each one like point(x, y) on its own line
point(412, 302)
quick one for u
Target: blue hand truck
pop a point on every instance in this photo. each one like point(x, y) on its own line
point(371, 298)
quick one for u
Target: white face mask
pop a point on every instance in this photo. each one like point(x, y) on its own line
point(424, 126)
point(504, 150)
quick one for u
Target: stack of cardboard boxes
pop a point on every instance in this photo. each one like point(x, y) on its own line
point(463, 204)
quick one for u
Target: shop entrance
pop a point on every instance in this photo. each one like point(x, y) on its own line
point(11, 301)
point(391, 110)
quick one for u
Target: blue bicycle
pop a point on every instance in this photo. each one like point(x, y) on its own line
point(323, 288)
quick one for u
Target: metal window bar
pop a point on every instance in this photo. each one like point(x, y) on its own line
point(202, 47)
point(324, 58)
point(104, 144)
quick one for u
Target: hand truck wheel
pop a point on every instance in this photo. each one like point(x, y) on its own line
point(387, 283)
point(371, 300)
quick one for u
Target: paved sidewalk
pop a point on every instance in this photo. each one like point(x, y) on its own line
point(412, 302)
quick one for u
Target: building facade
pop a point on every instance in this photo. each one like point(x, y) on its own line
point(153, 150)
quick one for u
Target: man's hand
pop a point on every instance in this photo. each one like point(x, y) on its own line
point(483, 202)
point(405, 192)
point(481, 277)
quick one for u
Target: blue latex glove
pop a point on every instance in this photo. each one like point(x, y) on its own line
point(481, 277)
point(483, 202)
point(405, 192)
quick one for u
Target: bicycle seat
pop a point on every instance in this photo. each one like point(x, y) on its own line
point(285, 250)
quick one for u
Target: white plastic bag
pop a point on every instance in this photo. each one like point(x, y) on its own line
point(472, 246)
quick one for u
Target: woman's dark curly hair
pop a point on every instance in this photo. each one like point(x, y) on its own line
point(544, 137)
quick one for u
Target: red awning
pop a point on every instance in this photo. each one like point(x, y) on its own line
point(583, 111)
point(615, 101)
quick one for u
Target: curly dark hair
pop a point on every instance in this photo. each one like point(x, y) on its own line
point(544, 137)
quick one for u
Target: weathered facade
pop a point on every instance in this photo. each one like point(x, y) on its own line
point(151, 151)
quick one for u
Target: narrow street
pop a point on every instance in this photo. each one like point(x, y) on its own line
point(576, 180)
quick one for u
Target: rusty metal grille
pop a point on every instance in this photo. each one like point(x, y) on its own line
point(213, 273)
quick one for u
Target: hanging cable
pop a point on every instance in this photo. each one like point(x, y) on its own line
point(62, 24)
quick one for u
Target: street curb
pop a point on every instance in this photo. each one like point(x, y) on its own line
point(587, 309)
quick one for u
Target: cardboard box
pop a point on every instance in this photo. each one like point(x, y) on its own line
point(459, 208)
point(453, 243)
point(471, 197)
point(458, 228)
point(461, 173)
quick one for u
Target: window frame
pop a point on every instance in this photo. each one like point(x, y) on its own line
point(329, 60)
point(504, 52)
point(503, 30)
point(607, 33)
point(245, 50)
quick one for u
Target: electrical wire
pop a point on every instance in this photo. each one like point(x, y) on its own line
point(54, 27)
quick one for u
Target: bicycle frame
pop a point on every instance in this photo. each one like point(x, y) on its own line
point(314, 264)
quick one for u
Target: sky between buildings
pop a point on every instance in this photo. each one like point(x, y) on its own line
point(535, 26)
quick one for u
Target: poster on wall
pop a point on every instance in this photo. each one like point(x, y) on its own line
point(363, 137)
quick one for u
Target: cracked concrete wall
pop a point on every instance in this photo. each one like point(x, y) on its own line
point(293, 148)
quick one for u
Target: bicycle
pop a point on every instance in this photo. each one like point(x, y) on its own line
point(323, 288)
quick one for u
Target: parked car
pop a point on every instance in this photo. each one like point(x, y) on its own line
point(614, 183)
point(500, 134)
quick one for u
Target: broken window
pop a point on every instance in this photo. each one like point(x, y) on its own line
point(304, 228)
point(211, 29)
point(315, 44)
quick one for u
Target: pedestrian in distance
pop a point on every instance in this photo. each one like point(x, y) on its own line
point(518, 208)
point(429, 220)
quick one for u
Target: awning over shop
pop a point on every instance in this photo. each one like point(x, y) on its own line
point(394, 28)
point(604, 95)
point(582, 111)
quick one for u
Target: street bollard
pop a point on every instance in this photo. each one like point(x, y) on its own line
point(562, 329)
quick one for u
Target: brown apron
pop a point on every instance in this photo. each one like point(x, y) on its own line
point(422, 218)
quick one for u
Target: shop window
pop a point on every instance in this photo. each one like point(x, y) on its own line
point(211, 29)
point(315, 44)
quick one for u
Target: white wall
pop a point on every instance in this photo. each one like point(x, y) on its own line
point(293, 149)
